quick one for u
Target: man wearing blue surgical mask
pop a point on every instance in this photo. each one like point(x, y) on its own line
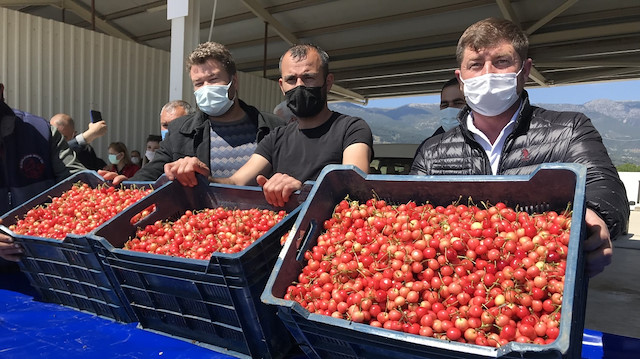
point(223, 133)
point(501, 133)
point(451, 102)
point(172, 110)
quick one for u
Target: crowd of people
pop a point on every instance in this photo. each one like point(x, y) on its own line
point(488, 127)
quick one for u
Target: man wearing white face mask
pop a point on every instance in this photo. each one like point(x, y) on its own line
point(223, 133)
point(502, 133)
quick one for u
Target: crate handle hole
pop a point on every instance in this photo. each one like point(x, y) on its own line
point(305, 242)
point(138, 217)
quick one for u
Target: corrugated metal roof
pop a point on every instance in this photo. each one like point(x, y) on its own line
point(382, 48)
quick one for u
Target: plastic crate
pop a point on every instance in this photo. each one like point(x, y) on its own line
point(68, 271)
point(550, 187)
point(214, 302)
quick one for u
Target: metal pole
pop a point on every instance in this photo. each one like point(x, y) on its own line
point(264, 56)
point(93, 15)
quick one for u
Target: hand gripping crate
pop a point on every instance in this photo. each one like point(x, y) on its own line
point(550, 187)
point(215, 302)
point(68, 272)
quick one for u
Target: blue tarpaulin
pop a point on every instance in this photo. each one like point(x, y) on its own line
point(33, 329)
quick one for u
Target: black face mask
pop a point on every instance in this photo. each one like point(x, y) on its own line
point(306, 101)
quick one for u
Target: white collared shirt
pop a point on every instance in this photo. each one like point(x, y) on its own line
point(494, 151)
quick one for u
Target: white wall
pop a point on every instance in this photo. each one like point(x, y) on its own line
point(49, 67)
point(631, 182)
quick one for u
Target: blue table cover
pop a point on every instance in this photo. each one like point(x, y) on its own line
point(33, 329)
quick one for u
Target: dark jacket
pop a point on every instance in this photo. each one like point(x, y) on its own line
point(33, 157)
point(86, 155)
point(539, 136)
point(189, 137)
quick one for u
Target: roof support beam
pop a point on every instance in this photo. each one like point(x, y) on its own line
point(572, 64)
point(30, 2)
point(537, 77)
point(263, 14)
point(291, 39)
point(100, 24)
point(77, 9)
point(592, 75)
point(550, 16)
point(507, 11)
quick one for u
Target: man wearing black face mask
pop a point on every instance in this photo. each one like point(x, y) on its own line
point(297, 152)
point(502, 133)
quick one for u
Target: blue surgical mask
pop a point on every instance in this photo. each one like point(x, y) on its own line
point(114, 159)
point(449, 118)
point(214, 99)
point(163, 133)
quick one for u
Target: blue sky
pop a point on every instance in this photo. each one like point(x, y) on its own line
point(571, 94)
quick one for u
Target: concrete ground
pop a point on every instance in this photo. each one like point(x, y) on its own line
point(613, 301)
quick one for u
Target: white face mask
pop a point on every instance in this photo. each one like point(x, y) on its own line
point(491, 94)
point(135, 160)
point(449, 118)
point(150, 155)
point(214, 99)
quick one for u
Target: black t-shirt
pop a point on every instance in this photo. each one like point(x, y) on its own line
point(302, 154)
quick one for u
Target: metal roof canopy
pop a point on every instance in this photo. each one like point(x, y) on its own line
point(382, 48)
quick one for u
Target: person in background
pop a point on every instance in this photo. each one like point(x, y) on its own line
point(136, 158)
point(451, 102)
point(281, 110)
point(33, 157)
point(295, 153)
point(172, 110)
point(501, 133)
point(223, 133)
point(80, 143)
point(120, 160)
point(153, 143)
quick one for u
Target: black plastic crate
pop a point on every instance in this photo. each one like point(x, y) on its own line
point(550, 187)
point(68, 271)
point(213, 302)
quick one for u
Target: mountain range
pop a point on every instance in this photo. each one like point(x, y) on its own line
point(617, 121)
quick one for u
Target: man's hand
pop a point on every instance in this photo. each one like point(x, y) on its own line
point(112, 176)
point(278, 188)
point(185, 169)
point(95, 130)
point(598, 248)
point(9, 250)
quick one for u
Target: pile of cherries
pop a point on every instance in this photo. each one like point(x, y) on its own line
point(198, 234)
point(486, 275)
point(78, 210)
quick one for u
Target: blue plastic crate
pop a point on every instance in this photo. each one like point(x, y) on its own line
point(214, 302)
point(68, 272)
point(550, 187)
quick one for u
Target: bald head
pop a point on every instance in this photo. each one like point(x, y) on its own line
point(64, 124)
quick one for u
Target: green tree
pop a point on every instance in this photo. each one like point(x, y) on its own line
point(628, 167)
